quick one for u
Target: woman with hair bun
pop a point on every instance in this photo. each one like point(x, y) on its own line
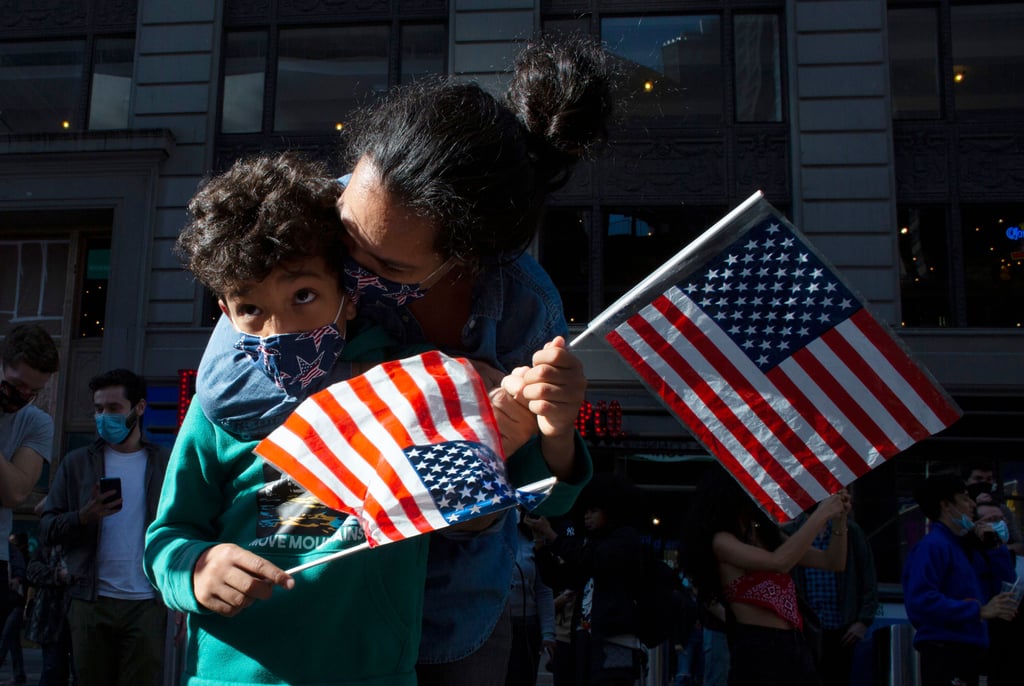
point(446, 191)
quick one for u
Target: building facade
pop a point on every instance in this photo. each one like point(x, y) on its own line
point(890, 133)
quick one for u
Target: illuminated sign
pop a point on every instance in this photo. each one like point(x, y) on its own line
point(186, 389)
point(601, 420)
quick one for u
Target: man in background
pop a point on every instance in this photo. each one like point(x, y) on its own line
point(116, 618)
point(28, 358)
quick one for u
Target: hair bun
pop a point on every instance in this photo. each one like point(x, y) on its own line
point(561, 92)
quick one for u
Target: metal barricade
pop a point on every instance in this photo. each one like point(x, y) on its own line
point(896, 661)
point(659, 665)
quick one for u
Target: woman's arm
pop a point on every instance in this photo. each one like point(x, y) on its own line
point(730, 550)
point(832, 558)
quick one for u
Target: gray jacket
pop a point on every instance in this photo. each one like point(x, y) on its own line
point(72, 488)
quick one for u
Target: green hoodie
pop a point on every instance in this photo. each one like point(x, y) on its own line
point(355, 620)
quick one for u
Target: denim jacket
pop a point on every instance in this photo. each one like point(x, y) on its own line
point(515, 310)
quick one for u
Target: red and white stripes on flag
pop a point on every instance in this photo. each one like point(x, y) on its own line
point(357, 444)
point(775, 365)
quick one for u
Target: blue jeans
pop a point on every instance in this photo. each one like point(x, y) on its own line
point(716, 658)
point(57, 661)
point(10, 642)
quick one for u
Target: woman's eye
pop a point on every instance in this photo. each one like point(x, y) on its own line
point(304, 297)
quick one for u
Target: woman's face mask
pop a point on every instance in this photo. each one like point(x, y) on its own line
point(294, 360)
point(367, 288)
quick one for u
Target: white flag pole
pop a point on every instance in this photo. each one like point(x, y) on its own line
point(328, 558)
point(652, 279)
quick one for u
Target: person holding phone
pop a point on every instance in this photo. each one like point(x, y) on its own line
point(102, 499)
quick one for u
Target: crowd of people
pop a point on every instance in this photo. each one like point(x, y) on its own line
point(145, 554)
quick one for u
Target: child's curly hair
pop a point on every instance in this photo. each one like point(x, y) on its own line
point(264, 211)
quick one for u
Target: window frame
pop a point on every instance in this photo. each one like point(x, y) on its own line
point(321, 144)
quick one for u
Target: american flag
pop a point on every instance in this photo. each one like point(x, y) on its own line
point(774, 364)
point(409, 447)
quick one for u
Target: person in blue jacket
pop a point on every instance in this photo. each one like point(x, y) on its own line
point(947, 598)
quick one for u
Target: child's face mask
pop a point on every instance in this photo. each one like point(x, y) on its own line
point(295, 360)
point(367, 288)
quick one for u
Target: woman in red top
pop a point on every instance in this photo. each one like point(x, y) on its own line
point(738, 557)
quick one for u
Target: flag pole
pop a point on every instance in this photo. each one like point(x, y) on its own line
point(654, 277)
point(328, 558)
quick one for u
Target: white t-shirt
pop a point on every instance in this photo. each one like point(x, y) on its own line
point(29, 427)
point(119, 558)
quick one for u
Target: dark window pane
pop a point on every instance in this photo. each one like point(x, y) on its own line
point(93, 306)
point(323, 74)
point(758, 68)
point(640, 240)
point(56, 259)
point(111, 83)
point(565, 255)
point(673, 66)
point(567, 27)
point(993, 253)
point(924, 266)
point(40, 84)
point(988, 57)
point(422, 50)
point(914, 63)
point(32, 284)
point(245, 68)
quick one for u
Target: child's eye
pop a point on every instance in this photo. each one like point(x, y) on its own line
point(305, 296)
point(249, 311)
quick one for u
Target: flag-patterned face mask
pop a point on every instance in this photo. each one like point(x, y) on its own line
point(294, 360)
point(367, 288)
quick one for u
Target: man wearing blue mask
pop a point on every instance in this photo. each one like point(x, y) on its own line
point(102, 499)
point(950, 584)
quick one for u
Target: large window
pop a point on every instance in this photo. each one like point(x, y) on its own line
point(988, 57)
point(957, 94)
point(45, 84)
point(702, 124)
point(993, 245)
point(624, 243)
point(306, 80)
point(956, 60)
point(676, 71)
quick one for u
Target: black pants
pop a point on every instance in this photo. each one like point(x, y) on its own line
point(524, 659)
point(836, 659)
point(762, 656)
point(949, 664)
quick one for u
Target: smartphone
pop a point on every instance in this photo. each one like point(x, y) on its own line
point(111, 484)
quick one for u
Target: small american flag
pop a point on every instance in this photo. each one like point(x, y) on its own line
point(409, 447)
point(774, 364)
